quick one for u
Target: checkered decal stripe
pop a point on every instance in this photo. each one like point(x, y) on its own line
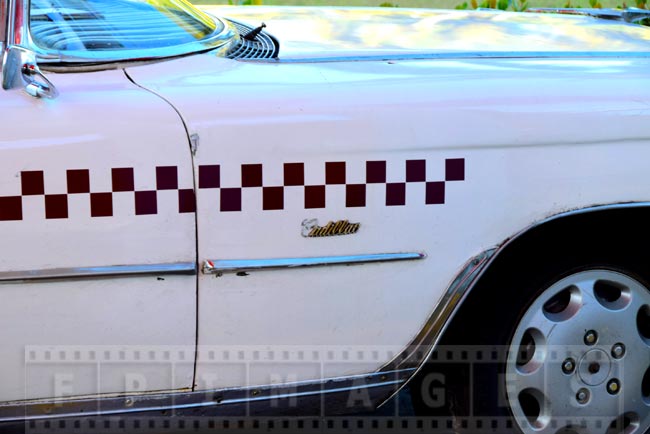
point(335, 174)
point(101, 202)
point(146, 202)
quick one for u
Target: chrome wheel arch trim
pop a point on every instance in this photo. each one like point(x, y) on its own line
point(421, 348)
point(180, 268)
point(220, 402)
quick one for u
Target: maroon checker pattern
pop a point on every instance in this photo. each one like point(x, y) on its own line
point(230, 197)
point(101, 202)
point(315, 196)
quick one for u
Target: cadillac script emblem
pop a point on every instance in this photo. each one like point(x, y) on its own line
point(311, 229)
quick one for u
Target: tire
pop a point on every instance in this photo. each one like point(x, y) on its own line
point(564, 349)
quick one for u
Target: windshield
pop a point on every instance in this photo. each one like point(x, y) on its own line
point(117, 25)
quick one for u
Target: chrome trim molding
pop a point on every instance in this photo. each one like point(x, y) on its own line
point(421, 347)
point(242, 265)
point(183, 268)
point(468, 55)
point(629, 15)
point(578, 211)
point(290, 399)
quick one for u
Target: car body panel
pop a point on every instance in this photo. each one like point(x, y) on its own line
point(70, 169)
point(523, 154)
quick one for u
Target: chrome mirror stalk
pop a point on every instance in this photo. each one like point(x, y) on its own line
point(20, 70)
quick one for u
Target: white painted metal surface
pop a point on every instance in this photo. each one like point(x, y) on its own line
point(538, 137)
point(100, 122)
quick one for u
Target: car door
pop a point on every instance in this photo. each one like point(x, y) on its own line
point(97, 259)
point(288, 178)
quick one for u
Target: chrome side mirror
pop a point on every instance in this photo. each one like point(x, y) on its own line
point(20, 70)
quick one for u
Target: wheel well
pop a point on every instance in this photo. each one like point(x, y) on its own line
point(613, 237)
point(606, 236)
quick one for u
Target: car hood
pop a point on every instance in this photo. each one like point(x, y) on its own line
point(316, 32)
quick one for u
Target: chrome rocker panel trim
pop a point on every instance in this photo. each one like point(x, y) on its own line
point(182, 268)
point(243, 265)
point(289, 399)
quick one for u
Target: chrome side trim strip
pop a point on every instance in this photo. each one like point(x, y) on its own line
point(467, 55)
point(183, 268)
point(226, 402)
point(241, 265)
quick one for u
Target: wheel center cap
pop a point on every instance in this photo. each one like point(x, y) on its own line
point(594, 366)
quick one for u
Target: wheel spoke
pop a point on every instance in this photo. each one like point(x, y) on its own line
point(586, 286)
point(535, 380)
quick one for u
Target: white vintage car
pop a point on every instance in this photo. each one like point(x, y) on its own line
point(200, 216)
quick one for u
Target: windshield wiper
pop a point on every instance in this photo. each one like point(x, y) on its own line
point(630, 15)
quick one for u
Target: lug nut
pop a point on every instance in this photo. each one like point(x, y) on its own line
point(568, 366)
point(618, 351)
point(613, 386)
point(582, 396)
point(591, 337)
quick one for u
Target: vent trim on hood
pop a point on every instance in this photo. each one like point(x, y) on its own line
point(264, 46)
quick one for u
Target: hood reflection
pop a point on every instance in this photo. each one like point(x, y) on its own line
point(308, 32)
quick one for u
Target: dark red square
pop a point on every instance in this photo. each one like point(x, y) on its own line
point(251, 175)
point(435, 193)
point(455, 169)
point(294, 174)
point(186, 201)
point(396, 194)
point(314, 196)
point(78, 181)
point(146, 203)
point(375, 172)
point(11, 208)
point(335, 173)
point(210, 176)
point(32, 183)
point(123, 179)
point(355, 195)
point(101, 204)
point(416, 170)
point(231, 199)
point(273, 198)
point(167, 178)
point(56, 206)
